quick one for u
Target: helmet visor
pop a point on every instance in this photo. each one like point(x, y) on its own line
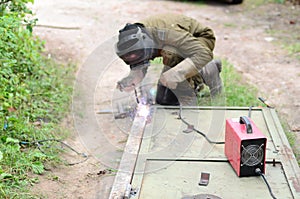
point(134, 57)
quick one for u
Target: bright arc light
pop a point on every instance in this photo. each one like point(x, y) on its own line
point(143, 110)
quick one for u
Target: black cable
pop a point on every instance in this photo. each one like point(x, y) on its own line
point(196, 130)
point(258, 171)
point(38, 143)
point(250, 111)
point(264, 101)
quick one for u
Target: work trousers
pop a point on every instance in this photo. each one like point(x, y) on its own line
point(185, 92)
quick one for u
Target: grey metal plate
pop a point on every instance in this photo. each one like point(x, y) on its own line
point(181, 178)
point(164, 137)
point(201, 196)
point(169, 162)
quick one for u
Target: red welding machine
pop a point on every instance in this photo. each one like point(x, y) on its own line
point(245, 146)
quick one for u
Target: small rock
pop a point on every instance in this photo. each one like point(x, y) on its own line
point(269, 39)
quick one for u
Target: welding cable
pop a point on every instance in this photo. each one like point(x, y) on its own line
point(196, 130)
point(258, 171)
point(264, 101)
point(38, 144)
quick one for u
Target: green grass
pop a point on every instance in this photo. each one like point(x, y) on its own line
point(197, 2)
point(230, 25)
point(288, 39)
point(34, 94)
point(236, 91)
point(285, 30)
point(293, 49)
point(291, 137)
point(256, 3)
point(36, 118)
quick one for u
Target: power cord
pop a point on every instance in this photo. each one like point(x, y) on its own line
point(265, 102)
point(39, 143)
point(190, 126)
point(258, 171)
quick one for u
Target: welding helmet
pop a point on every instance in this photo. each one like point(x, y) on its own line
point(135, 46)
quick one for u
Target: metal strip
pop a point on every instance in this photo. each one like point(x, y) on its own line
point(290, 165)
point(268, 117)
point(142, 159)
point(129, 158)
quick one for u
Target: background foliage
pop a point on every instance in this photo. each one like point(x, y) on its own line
point(33, 93)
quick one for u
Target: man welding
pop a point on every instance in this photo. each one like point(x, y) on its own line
point(186, 47)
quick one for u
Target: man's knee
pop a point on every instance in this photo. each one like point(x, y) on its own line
point(170, 56)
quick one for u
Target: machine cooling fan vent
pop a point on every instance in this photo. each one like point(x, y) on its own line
point(252, 155)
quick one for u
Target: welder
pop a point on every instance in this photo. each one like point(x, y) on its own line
point(186, 48)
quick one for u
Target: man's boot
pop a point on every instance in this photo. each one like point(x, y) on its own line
point(211, 77)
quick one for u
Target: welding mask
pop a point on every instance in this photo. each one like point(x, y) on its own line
point(135, 46)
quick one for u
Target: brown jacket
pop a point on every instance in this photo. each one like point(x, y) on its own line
point(190, 38)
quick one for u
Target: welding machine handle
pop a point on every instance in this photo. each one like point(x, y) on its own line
point(246, 121)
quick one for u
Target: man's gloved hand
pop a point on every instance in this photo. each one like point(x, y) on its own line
point(178, 73)
point(168, 79)
point(128, 83)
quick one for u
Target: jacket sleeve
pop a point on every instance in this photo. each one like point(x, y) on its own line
point(186, 35)
point(189, 46)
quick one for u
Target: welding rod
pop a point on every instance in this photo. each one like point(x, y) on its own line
point(136, 96)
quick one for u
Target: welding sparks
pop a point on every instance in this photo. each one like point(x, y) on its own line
point(143, 110)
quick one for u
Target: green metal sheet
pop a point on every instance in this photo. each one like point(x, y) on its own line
point(169, 161)
point(164, 137)
point(181, 178)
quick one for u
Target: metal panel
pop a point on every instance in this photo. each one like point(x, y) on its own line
point(123, 178)
point(181, 179)
point(169, 161)
point(164, 137)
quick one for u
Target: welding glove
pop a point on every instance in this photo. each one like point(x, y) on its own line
point(185, 69)
point(134, 78)
point(211, 77)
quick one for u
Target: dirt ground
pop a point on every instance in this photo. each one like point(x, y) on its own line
point(74, 30)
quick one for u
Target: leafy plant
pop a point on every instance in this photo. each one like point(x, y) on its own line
point(16, 6)
point(34, 93)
